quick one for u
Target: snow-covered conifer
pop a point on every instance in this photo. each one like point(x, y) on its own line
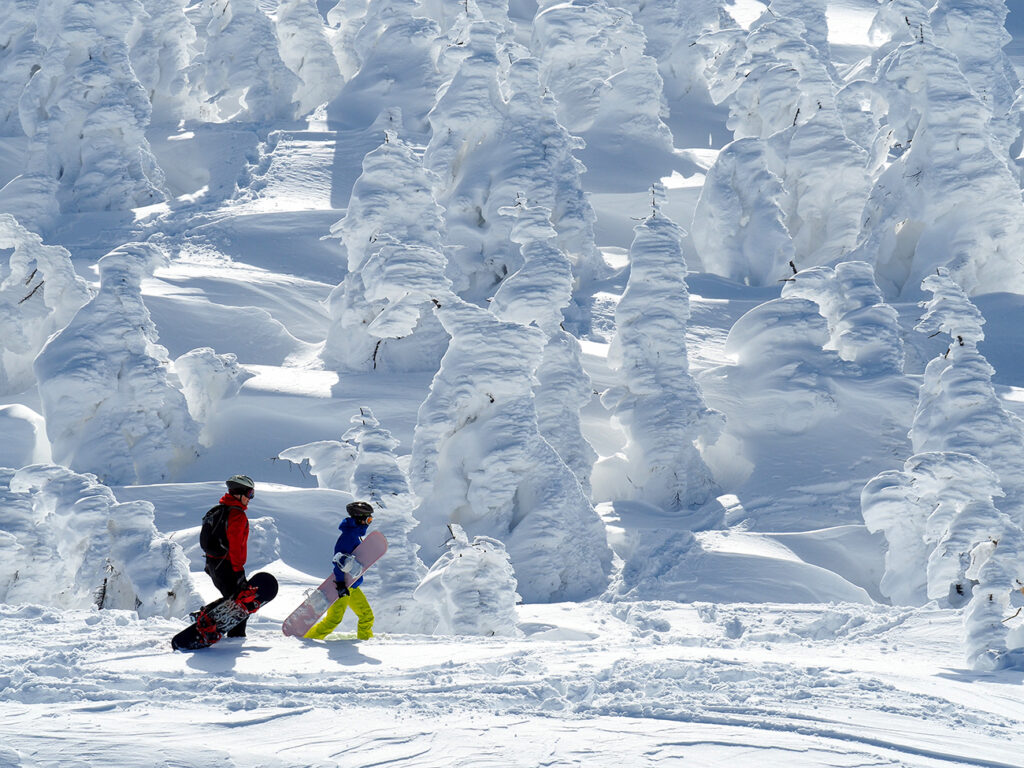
point(331, 462)
point(538, 163)
point(773, 77)
point(975, 32)
point(207, 379)
point(85, 114)
point(783, 377)
point(670, 28)
point(392, 231)
point(948, 197)
point(958, 408)
point(113, 406)
point(932, 513)
point(739, 228)
point(466, 123)
point(864, 329)
point(479, 460)
point(239, 73)
point(489, 152)
point(656, 400)
point(998, 570)
point(377, 477)
point(160, 56)
point(472, 587)
point(72, 545)
point(307, 52)
point(397, 51)
point(345, 19)
point(781, 88)
point(537, 294)
point(20, 55)
point(607, 89)
point(39, 294)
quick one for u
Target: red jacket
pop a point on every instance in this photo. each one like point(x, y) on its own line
point(237, 529)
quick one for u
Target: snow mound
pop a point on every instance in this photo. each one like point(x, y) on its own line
point(68, 543)
point(472, 587)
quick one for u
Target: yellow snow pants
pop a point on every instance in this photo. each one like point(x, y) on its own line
point(361, 608)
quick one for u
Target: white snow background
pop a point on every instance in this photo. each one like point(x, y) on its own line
point(677, 343)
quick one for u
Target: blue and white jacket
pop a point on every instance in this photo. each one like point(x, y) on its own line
point(351, 537)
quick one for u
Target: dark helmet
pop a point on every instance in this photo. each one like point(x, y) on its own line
point(360, 511)
point(242, 485)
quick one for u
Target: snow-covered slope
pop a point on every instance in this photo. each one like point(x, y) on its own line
point(236, 236)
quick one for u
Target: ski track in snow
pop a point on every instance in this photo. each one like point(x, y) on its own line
point(589, 684)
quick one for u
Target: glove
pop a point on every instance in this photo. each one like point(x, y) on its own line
point(240, 581)
point(342, 589)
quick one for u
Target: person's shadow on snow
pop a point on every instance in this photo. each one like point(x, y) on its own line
point(348, 652)
point(219, 658)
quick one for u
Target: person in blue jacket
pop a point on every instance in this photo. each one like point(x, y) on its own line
point(353, 529)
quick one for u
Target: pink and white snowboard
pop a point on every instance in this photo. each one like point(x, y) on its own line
point(319, 600)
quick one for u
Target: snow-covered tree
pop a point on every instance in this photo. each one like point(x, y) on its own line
point(307, 52)
point(671, 27)
point(940, 507)
point(479, 460)
point(958, 407)
point(489, 151)
point(466, 123)
point(113, 406)
point(607, 89)
point(382, 313)
point(331, 462)
point(593, 61)
point(239, 73)
point(864, 329)
point(781, 89)
point(363, 463)
point(67, 542)
point(948, 197)
point(20, 56)
point(206, 380)
point(472, 588)
point(975, 32)
point(783, 378)
point(923, 511)
point(538, 163)
point(397, 50)
point(739, 228)
point(537, 294)
point(162, 49)
point(997, 569)
point(85, 114)
point(655, 399)
point(39, 294)
point(345, 19)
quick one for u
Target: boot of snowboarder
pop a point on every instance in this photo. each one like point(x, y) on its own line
point(224, 539)
point(353, 529)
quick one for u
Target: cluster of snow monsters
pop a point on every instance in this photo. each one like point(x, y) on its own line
point(854, 186)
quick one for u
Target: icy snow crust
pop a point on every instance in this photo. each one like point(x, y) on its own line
point(675, 342)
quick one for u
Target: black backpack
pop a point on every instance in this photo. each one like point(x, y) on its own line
point(213, 536)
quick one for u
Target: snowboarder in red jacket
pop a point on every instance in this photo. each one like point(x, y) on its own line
point(225, 540)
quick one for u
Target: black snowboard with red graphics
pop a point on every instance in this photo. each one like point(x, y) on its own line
point(221, 616)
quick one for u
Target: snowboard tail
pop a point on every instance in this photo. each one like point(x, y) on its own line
point(214, 620)
point(319, 600)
